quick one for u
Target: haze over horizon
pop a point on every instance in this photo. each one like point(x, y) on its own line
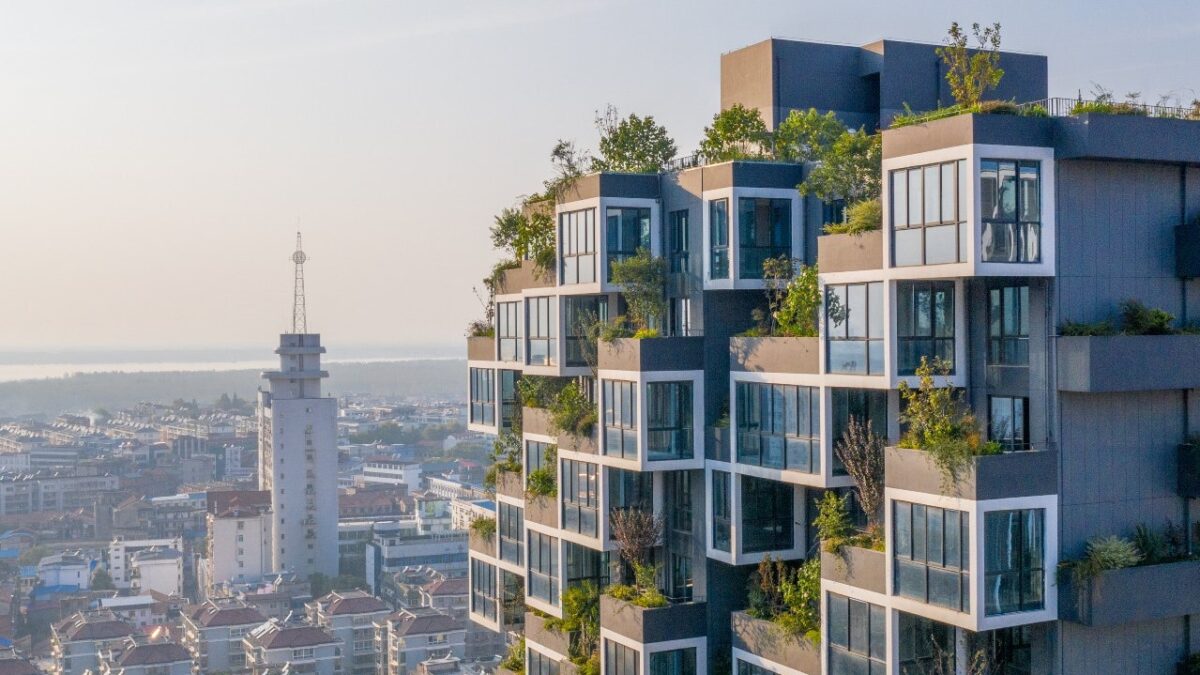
point(160, 157)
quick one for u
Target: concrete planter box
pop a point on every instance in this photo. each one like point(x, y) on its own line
point(542, 510)
point(1133, 594)
point(1128, 363)
point(764, 638)
point(775, 354)
point(526, 276)
point(659, 624)
point(536, 421)
point(850, 252)
point(858, 567)
point(510, 484)
point(481, 349)
point(585, 444)
point(670, 353)
point(1014, 474)
point(536, 631)
point(481, 544)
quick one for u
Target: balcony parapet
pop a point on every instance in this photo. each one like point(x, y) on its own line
point(767, 640)
point(775, 354)
point(481, 544)
point(536, 421)
point(647, 625)
point(481, 349)
point(1013, 474)
point(536, 631)
point(542, 510)
point(1144, 593)
point(587, 445)
point(527, 276)
point(850, 252)
point(651, 354)
point(858, 567)
point(510, 484)
point(1111, 363)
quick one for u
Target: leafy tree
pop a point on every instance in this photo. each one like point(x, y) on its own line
point(849, 170)
point(581, 617)
point(799, 309)
point(806, 136)
point(972, 72)
point(633, 144)
point(102, 581)
point(643, 280)
point(861, 451)
point(569, 164)
point(861, 217)
point(525, 234)
point(833, 523)
point(737, 132)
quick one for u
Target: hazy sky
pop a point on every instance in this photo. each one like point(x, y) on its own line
point(156, 157)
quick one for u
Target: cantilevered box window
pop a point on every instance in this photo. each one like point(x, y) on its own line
point(627, 229)
point(580, 496)
point(854, 328)
point(768, 515)
point(620, 419)
point(483, 589)
point(857, 636)
point(929, 214)
point(543, 567)
point(1010, 196)
point(1014, 561)
point(577, 238)
point(778, 426)
point(543, 331)
point(764, 232)
point(669, 420)
point(924, 323)
point(508, 331)
point(931, 555)
point(483, 396)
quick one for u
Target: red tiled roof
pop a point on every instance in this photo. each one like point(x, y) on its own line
point(210, 615)
point(442, 587)
point(75, 629)
point(296, 636)
point(353, 603)
point(151, 654)
point(407, 624)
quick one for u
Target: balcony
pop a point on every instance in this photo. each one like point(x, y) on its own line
point(536, 421)
point(528, 275)
point(542, 510)
point(646, 625)
point(1014, 474)
point(858, 567)
point(1112, 363)
point(765, 639)
point(481, 544)
point(587, 445)
point(536, 631)
point(775, 354)
point(481, 349)
point(651, 354)
point(510, 484)
point(850, 252)
point(1145, 593)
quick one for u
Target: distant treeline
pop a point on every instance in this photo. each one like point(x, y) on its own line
point(117, 390)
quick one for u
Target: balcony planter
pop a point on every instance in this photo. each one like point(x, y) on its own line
point(542, 510)
point(588, 445)
point(481, 544)
point(536, 421)
point(1128, 362)
point(510, 484)
point(850, 252)
point(536, 631)
point(650, 354)
point(1014, 474)
point(1145, 593)
point(526, 276)
point(481, 349)
point(775, 354)
point(859, 567)
point(1189, 470)
point(654, 624)
point(765, 639)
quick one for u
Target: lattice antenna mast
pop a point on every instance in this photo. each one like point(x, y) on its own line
point(299, 321)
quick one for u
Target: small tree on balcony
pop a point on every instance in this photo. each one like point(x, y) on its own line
point(643, 280)
point(972, 72)
point(637, 533)
point(861, 451)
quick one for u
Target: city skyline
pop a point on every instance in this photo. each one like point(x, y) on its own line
point(162, 157)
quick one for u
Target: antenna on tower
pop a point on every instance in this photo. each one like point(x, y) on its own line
point(299, 321)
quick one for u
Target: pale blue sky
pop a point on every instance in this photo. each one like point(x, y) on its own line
point(156, 156)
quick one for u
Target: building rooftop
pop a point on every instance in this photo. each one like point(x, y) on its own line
point(422, 621)
point(339, 603)
point(102, 625)
point(276, 635)
point(213, 614)
point(153, 654)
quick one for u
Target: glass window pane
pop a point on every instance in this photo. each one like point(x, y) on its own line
point(875, 310)
point(900, 198)
point(949, 193)
point(933, 195)
point(914, 197)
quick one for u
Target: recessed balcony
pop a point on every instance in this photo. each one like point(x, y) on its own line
point(1109, 363)
point(1144, 593)
point(850, 252)
point(1013, 474)
point(651, 354)
point(646, 625)
point(800, 355)
point(767, 640)
point(858, 567)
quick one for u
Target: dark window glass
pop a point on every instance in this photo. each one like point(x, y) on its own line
point(580, 497)
point(619, 659)
point(768, 515)
point(721, 510)
point(580, 313)
point(535, 455)
point(865, 405)
point(628, 229)
point(1008, 422)
point(540, 664)
point(718, 239)
point(620, 419)
point(669, 421)
point(1014, 561)
point(930, 555)
point(926, 646)
point(674, 662)
point(508, 331)
point(778, 426)
point(543, 567)
point(857, 636)
point(630, 489)
point(483, 589)
point(577, 242)
point(1009, 650)
point(764, 231)
point(924, 323)
point(542, 320)
point(677, 241)
point(511, 526)
point(854, 328)
point(510, 407)
point(1008, 326)
point(1010, 195)
point(483, 396)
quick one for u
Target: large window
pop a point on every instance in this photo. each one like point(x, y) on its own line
point(1008, 326)
point(577, 233)
point(585, 564)
point(865, 405)
point(778, 426)
point(722, 509)
point(768, 515)
point(924, 323)
point(677, 496)
point(854, 328)
point(926, 646)
point(511, 526)
point(620, 419)
point(543, 331)
point(677, 241)
point(540, 664)
point(510, 407)
point(669, 421)
point(1008, 422)
point(580, 496)
point(483, 396)
point(536, 455)
point(674, 662)
point(929, 214)
point(1010, 194)
point(1014, 561)
point(630, 490)
point(1009, 650)
point(764, 231)
point(628, 230)
point(508, 330)
point(483, 589)
point(543, 567)
point(857, 636)
point(931, 555)
point(619, 659)
point(718, 239)
point(581, 312)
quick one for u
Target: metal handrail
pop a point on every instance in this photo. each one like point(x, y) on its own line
point(1066, 107)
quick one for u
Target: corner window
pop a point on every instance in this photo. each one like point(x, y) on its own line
point(778, 426)
point(483, 396)
point(929, 214)
point(540, 664)
point(857, 636)
point(924, 323)
point(718, 239)
point(1008, 326)
point(854, 328)
point(768, 515)
point(619, 659)
point(1008, 422)
point(931, 555)
point(1010, 196)
point(669, 421)
point(483, 589)
point(764, 231)
point(1014, 561)
point(581, 312)
point(543, 331)
point(577, 235)
point(543, 567)
point(508, 331)
point(510, 407)
point(627, 230)
point(722, 508)
point(620, 419)
point(510, 523)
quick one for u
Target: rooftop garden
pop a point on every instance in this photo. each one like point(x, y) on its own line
point(1133, 318)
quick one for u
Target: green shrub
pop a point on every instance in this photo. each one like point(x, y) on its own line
point(543, 481)
point(481, 328)
point(1103, 553)
point(788, 595)
point(643, 281)
point(799, 309)
point(1138, 319)
point(861, 217)
point(536, 391)
point(572, 412)
point(646, 333)
point(833, 521)
point(484, 527)
point(1034, 110)
point(1150, 544)
point(998, 108)
point(1108, 108)
point(1082, 329)
point(514, 660)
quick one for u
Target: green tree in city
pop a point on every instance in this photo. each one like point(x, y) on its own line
point(972, 72)
point(849, 170)
point(633, 144)
point(737, 132)
point(806, 136)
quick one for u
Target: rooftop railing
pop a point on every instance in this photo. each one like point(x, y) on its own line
point(1068, 107)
